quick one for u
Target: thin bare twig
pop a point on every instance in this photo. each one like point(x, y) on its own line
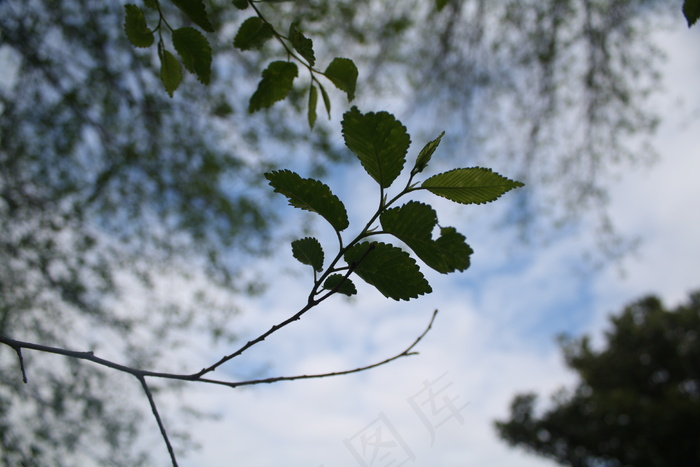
point(405, 353)
point(154, 409)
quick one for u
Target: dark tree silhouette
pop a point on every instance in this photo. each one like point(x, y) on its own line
point(638, 401)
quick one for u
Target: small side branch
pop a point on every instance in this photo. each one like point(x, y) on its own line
point(21, 363)
point(406, 353)
point(161, 426)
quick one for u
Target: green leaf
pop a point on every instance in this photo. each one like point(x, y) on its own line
point(302, 44)
point(389, 269)
point(195, 51)
point(326, 100)
point(240, 4)
point(440, 4)
point(343, 73)
point(310, 195)
point(691, 11)
point(170, 71)
point(475, 185)
point(379, 141)
point(413, 223)
point(252, 34)
point(313, 102)
point(195, 11)
point(136, 28)
point(345, 285)
point(276, 82)
point(151, 4)
point(425, 154)
point(308, 251)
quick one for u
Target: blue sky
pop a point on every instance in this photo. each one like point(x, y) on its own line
point(494, 335)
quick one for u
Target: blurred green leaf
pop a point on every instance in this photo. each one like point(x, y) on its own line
point(310, 195)
point(413, 223)
point(343, 73)
point(170, 71)
point(196, 12)
point(240, 4)
point(276, 82)
point(474, 185)
point(136, 28)
point(195, 51)
point(440, 4)
point(326, 100)
point(389, 269)
point(308, 251)
point(379, 141)
point(252, 34)
point(345, 285)
point(691, 11)
point(313, 102)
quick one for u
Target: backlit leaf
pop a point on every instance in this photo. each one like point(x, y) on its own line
point(302, 44)
point(136, 28)
point(195, 11)
point(310, 195)
point(345, 285)
point(313, 102)
point(413, 223)
point(379, 141)
point(326, 100)
point(389, 269)
point(343, 73)
point(426, 153)
point(475, 185)
point(170, 71)
point(252, 34)
point(276, 82)
point(308, 251)
point(195, 51)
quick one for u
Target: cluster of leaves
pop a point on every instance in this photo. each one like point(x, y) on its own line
point(195, 54)
point(381, 144)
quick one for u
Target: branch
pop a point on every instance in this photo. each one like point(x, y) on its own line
point(154, 409)
point(310, 304)
point(141, 375)
point(406, 353)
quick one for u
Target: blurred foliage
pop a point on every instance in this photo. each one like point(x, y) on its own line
point(638, 400)
point(110, 188)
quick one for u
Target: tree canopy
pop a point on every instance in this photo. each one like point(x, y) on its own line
point(638, 399)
